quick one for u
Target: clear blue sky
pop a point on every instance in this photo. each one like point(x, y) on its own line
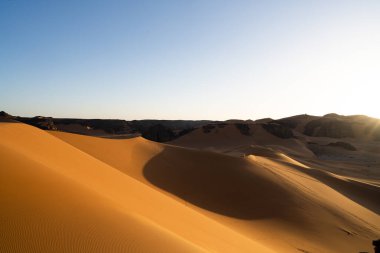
point(189, 59)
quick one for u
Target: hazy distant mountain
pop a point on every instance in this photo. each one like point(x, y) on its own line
point(331, 125)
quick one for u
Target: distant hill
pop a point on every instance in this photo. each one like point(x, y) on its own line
point(331, 125)
point(156, 130)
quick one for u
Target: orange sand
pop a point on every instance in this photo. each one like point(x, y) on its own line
point(63, 192)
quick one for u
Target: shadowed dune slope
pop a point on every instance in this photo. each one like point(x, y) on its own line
point(57, 198)
point(253, 196)
point(221, 178)
point(269, 197)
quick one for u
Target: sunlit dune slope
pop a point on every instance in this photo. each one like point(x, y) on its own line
point(57, 198)
point(268, 197)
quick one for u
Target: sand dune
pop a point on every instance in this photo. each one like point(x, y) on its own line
point(263, 196)
point(64, 192)
point(56, 198)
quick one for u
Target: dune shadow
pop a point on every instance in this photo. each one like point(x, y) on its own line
point(225, 185)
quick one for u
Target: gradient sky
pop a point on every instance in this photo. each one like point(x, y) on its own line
point(189, 59)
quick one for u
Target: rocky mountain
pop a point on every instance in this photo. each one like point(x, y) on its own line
point(330, 125)
point(156, 130)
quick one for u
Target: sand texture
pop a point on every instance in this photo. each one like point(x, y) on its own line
point(222, 191)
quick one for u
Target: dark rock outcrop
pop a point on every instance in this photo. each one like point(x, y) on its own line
point(45, 123)
point(5, 117)
point(4, 114)
point(294, 121)
point(329, 127)
point(159, 133)
point(279, 130)
point(208, 128)
point(243, 128)
point(288, 122)
point(155, 130)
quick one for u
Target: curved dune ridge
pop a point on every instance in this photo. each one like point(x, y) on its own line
point(265, 196)
point(56, 198)
point(64, 192)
